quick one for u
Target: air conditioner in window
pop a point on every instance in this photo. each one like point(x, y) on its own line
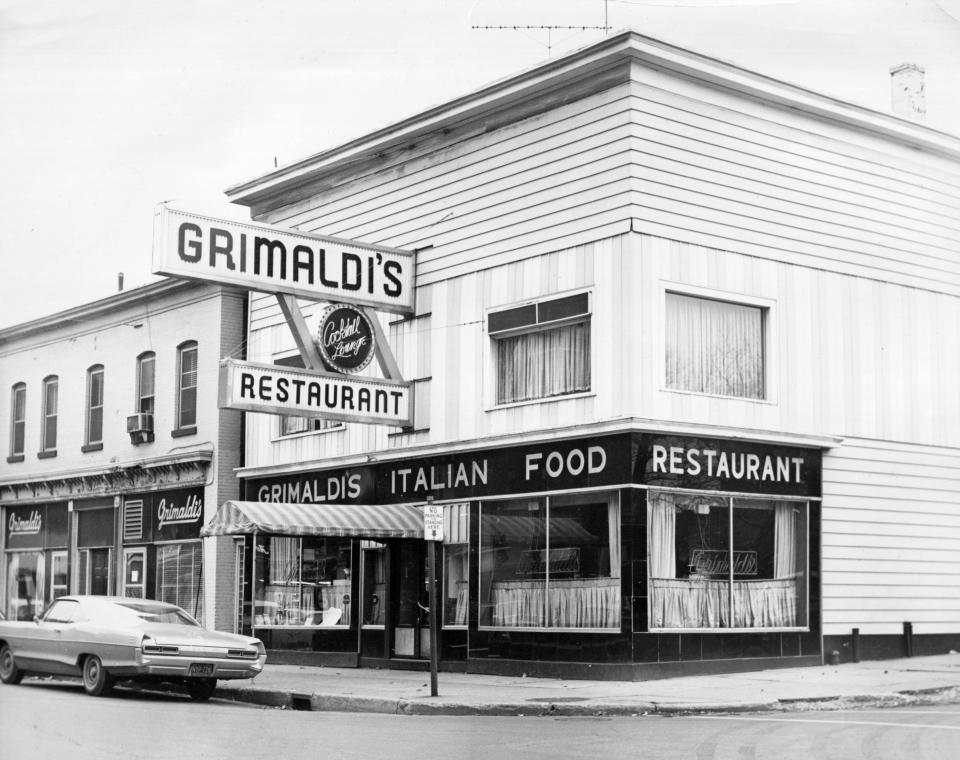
point(140, 428)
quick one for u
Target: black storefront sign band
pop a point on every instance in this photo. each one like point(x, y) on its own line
point(640, 458)
point(40, 526)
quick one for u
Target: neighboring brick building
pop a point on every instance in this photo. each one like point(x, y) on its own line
point(116, 451)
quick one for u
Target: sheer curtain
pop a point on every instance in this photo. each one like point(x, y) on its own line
point(544, 363)
point(714, 346)
point(662, 520)
point(785, 540)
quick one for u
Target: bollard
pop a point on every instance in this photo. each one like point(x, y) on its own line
point(834, 657)
point(908, 639)
point(855, 645)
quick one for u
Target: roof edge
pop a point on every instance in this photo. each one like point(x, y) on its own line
point(624, 46)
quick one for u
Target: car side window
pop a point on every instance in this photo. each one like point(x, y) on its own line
point(62, 611)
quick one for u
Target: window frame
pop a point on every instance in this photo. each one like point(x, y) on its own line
point(147, 357)
point(191, 428)
point(294, 359)
point(614, 500)
point(90, 442)
point(46, 449)
point(769, 348)
point(538, 324)
point(18, 455)
point(731, 503)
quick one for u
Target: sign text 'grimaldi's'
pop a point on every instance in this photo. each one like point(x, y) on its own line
point(274, 260)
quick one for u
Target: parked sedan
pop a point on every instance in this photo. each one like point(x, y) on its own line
point(108, 639)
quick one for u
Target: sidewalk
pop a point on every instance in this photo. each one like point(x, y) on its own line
point(917, 680)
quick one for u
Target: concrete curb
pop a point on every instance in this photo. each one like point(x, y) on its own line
point(399, 706)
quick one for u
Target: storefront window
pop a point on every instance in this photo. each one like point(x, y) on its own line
point(25, 585)
point(302, 581)
point(59, 579)
point(717, 562)
point(179, 576)
point(551, 563)
point(456, 558)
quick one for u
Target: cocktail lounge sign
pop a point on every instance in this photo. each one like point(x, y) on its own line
point(357, 277)
point(345, 338)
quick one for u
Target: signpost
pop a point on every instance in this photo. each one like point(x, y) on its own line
point(433, 534)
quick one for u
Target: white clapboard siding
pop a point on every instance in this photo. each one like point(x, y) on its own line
point(780, 186)
point(890, 544)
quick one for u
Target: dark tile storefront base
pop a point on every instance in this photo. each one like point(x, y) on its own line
point(888, 647)
point(315, 659)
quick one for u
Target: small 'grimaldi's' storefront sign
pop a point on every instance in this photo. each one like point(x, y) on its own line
point(301, 393)
point(275, 260)
point(345, 338)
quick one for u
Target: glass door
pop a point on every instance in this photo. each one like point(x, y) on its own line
point(58, 574)
point(134, 575)
point(411, 633)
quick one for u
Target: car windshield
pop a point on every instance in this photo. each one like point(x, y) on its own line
point(128, 613)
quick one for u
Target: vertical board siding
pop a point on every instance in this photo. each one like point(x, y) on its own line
point(850, 356)
point(891, 538)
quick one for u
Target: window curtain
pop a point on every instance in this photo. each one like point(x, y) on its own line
point(784, 540)
point(613, 526)
point(544, 363)
point(714, 346)
point(661, 517)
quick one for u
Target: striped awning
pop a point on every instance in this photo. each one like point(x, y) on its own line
point(353, 520)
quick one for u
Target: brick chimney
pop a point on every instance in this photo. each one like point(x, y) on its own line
point(908, 98)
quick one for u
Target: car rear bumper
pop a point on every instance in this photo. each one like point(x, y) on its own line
point(177, 666)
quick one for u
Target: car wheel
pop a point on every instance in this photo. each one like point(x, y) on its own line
point(97, 682)
point(9, 672)
point(201, 689)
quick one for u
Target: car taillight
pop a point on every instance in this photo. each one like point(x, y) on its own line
point(149, 646)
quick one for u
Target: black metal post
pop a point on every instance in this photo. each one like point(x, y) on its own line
point(434, 617)
point(855, 645)
point(908, 638)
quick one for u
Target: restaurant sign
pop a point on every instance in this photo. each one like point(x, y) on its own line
point(304, 393)
point(276, 260)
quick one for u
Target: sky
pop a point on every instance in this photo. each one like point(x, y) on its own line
point(110, 107)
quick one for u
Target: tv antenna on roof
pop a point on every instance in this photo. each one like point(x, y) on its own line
point(549, 28)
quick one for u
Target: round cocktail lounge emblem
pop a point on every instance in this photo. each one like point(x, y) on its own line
point(345, 338)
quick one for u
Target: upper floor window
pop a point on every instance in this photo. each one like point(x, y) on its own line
point(714, 346)
point(18, 422)
point(542, 349)
point(291, 425)
point(146, 382)
point(48, 431)
point(187, 385)
point(95, 405)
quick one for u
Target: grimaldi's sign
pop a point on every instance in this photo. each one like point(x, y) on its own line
point(355, 277)
point(276, 260)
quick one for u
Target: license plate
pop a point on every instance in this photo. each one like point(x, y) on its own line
point(200, 669)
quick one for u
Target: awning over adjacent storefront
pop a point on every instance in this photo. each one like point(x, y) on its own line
point(353, 520)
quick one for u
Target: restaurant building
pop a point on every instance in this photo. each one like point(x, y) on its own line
point(679, 376)
point(117, 450)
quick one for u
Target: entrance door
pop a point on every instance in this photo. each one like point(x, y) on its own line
point(99, 572)
point(134, 573)
point(411, 632)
